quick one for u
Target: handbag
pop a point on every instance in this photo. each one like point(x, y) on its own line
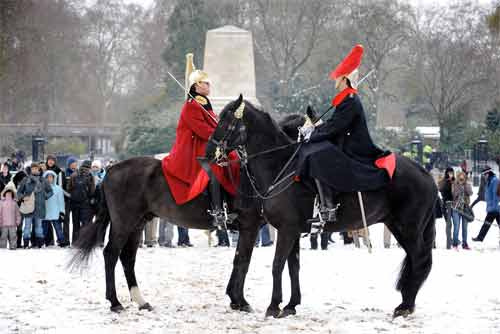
point(28, 204)
point(467, 213)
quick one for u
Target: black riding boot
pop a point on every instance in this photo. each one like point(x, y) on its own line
point(217, 211)
point(327, 202)
point(215, 192)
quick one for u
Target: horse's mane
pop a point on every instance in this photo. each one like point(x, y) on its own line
point(269, 129)
point(290, 124)
point(261, 117)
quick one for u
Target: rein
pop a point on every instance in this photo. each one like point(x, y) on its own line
point(243, 158)
point(276, 182)
point(222, 160)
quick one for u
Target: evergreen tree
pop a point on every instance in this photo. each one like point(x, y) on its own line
point(149, 130)
point(492, 120)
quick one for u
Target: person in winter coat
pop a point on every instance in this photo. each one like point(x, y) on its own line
point(72, 167)
point(461, 191)
point(81, 188)
point(10, 217)
point(187, 178)
point(480, 192)
point(37, 185)
point(4, 176)
point(51, 164)
point(54, 207)
point(492, 208)
point(97, 172)
point(445, 185)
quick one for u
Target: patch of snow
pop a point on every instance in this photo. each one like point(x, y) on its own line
point(344, 290)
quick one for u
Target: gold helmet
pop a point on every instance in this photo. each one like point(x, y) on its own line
point(192, 74)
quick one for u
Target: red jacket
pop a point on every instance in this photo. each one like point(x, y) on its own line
point(183, 172)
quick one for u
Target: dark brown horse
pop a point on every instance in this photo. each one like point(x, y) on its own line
point(406, 205)
point(133, 192)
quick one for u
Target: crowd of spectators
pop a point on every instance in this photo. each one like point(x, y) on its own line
point(36, 204)
point(39, 199)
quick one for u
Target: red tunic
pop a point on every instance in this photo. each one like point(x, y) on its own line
point(183, 172)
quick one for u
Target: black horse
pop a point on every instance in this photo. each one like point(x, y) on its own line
point(406, 205)
point(132, 193)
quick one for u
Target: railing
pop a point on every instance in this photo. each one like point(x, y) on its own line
point(62, 129)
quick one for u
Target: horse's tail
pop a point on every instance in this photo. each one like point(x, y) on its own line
point(92, 234)
point(421, 261)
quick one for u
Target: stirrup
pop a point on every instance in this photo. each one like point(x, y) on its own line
point(221, 217)
point(317, 224)
point(329, 215)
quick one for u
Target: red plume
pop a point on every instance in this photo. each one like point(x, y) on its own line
point(349, 64)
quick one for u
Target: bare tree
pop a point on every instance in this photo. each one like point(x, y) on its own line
point(286, 35)
point(112, 42)
point(454, 67)
point(383, 28)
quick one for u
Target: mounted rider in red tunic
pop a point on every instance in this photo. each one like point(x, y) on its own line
point(183, 171)
point(340, 154)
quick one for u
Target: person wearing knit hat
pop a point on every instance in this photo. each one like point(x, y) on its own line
point(96, 164)
point(81, 187)
point(60, 179)
point(33, 191)
point(9, 187)
point(71, 166)
point(35, 165)
point(54, 208)
point(97, 171)
point(86, 164)
point(10, 217)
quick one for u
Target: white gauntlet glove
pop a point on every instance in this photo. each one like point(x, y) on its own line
point(306, 132)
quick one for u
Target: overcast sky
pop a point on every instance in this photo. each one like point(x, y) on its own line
point(148, 3)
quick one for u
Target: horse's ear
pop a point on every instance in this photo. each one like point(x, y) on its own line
point(238, 113)
point(239, 100)
point(311, 113)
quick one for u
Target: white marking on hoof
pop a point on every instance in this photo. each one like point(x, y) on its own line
point(135, 295)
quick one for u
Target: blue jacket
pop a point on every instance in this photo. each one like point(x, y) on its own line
point(55, 204)
point(490, 194)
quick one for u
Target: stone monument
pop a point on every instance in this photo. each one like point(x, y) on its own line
point(229, 62)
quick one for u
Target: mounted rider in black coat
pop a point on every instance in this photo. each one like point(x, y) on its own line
point(340, 154)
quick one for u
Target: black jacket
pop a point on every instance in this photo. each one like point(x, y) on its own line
point(5, 179)
point(347, 128)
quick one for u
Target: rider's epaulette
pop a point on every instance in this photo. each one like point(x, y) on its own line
point(201, 100)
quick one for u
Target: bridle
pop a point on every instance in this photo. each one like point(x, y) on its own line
point(223, 147)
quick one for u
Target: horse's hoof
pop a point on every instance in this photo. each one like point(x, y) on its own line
point(271, 312)
point(402, 311)
point(117, 308)
point(243, 308)
point(146, 307)
point(286, 312)
point(246, 308)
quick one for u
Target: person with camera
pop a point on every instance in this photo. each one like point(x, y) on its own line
point(81, 188)
point(445, 188)
point(461, 192)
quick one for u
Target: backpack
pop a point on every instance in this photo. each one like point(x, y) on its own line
point(80, 192)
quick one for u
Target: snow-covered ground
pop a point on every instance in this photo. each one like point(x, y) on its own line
point(344, 290)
